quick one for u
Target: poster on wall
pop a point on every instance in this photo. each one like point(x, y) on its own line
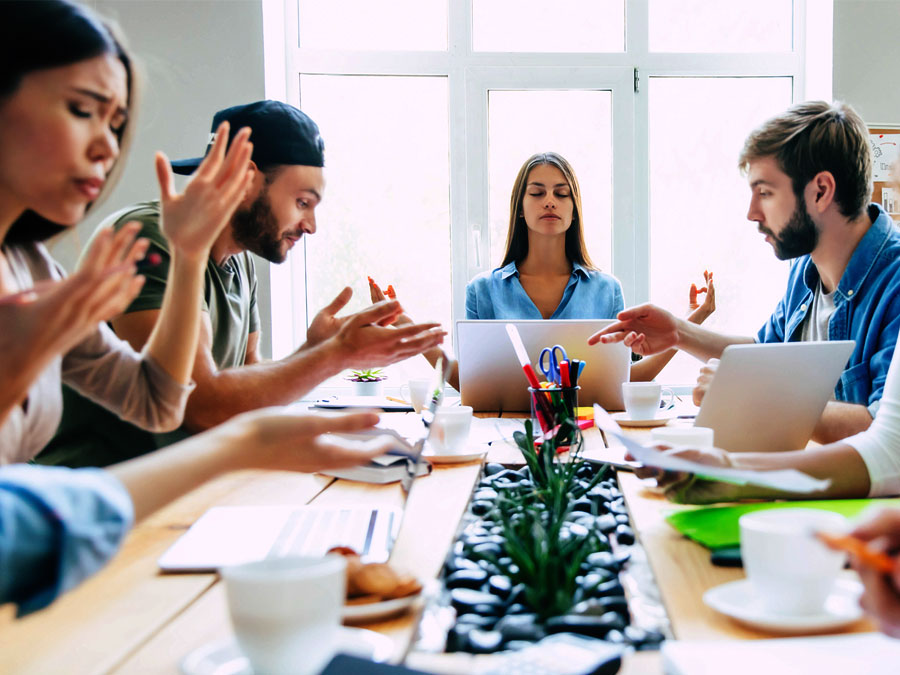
point(884, 154)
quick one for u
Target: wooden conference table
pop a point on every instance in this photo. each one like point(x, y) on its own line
point(129, 618)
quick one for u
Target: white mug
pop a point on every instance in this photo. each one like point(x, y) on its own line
point(790, 569)
point(642, 399)
point(417, 392)
point(692, 437)
point(286, 611)
point(450, 429)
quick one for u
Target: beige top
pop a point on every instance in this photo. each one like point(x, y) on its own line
point(102, 367)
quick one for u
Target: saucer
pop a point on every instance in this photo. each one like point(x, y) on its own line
point(224, 657)
point(372, 611)
point(740, 601)
point(662, 419)
point(437, 457)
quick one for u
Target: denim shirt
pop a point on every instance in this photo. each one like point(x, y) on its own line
point(57, 527)
point(589, 294)
point(867, 309)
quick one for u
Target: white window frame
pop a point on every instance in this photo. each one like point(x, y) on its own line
point(472, 74)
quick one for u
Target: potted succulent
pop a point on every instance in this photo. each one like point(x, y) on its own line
point(367, 382)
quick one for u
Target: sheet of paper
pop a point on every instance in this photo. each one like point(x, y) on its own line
point(788, 480)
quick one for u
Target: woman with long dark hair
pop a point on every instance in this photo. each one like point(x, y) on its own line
point(66, 102)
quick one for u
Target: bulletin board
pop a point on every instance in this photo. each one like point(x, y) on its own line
point(885, 142)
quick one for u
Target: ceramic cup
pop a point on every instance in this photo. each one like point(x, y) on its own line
point(642, 399)
point(416, 392)
point(286, 611)
point(450, 430)
point(791, 570)
point(692, 437)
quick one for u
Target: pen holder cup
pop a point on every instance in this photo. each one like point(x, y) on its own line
point(551, 408)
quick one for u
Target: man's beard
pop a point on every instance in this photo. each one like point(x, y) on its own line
point(256, 229)
point(799, 237)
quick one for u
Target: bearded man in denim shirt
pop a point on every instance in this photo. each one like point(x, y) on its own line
point(810, 172)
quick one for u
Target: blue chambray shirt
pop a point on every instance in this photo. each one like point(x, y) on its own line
point(867, 309)
point(57, 527)
point(590, 294)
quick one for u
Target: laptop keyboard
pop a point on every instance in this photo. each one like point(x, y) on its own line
point(311, 532)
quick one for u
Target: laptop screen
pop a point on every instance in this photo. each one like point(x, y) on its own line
point(436, 388)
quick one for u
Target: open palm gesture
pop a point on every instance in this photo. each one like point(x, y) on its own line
point(192, 220)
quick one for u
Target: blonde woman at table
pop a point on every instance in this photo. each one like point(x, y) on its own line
point(66, 99)
point(546, 271)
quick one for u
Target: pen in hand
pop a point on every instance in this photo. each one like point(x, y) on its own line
point(868, 556)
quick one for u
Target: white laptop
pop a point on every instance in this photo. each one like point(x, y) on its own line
point(231, 535)
point(491, 379)
point(769, 397)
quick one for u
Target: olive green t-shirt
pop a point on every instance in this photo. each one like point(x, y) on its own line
point(90, 435)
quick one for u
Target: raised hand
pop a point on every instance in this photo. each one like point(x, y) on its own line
point(326, 324)
point(377, 295)
point(881, 597)
point(647, 329)
point(191, 221)
point(364, 342)
point(701, 312)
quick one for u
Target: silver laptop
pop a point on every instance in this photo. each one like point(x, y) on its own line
point(769, 397)
point(491, 379)
point(231, 535)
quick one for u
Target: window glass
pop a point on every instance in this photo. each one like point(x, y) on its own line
point(717, 26)
point(699, 201)
point(560, 26)
point(386, 211)
point(363, 25)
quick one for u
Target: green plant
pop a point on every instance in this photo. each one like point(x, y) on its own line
point(367, 375)
point(546, 552)
point(545, 548)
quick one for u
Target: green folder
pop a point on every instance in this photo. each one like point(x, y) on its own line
point(717, 526)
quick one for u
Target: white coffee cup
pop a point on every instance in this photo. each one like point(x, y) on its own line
point(450, 429)
point(416, 392)
point(692, 437)
point(286, 611)
point(790, 569)
point(642, 399)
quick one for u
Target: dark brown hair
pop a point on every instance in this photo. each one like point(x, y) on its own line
point(41, 34)
point(517, 235)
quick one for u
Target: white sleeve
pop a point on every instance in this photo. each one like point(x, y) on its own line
point(879, 445)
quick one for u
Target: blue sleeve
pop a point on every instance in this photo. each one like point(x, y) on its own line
point(619, 300)
point(773, 330)
point(880, 361)
point(57, 527)
point(471, 301)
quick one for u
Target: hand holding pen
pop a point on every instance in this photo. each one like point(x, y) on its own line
point(871, 547)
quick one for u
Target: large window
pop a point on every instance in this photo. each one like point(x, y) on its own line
point(428, 109)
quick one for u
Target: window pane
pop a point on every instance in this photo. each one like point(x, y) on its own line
point(561, 26)
point(699, 200)
point(386, 210)
point(717, 26)
point(399, 25)
point(575, 124)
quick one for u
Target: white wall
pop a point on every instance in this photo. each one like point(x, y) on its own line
point(198, 56)
point(867, 58)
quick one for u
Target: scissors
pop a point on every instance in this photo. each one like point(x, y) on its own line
point(554, 358)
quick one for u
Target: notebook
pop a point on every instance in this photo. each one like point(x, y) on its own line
point(717, 526)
